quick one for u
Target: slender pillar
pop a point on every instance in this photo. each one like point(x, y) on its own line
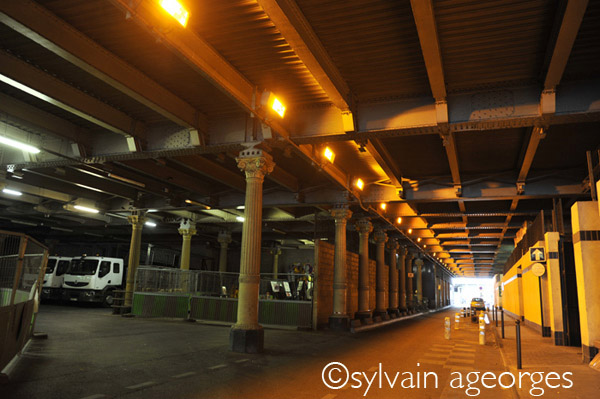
point(419, 265)
point(275, 252)
point(402, 272)
point(380, 306)
point(224, 239)
point(340, 320)
point(364, 227)
point(393, 279)
point(246, 334)
point(187, 229)
point(137, 221)
point(409, 282)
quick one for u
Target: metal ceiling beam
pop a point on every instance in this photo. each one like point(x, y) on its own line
point(213, 171)
point(44, 121)
point(385, 161)
point(193, 50)
point(284, 179)
point(564, 43)
point(430, 46)
point(290, 21)
point(482, 191)
point(537, 134)
point(46, 29)
point(45, 87)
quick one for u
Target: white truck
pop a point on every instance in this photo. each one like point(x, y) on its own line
point(93, 279)
point(53, 279)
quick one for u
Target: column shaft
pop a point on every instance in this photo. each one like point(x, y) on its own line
point(340, 319)
point(419, 264)
point(409, 283)
point(364, 227)
point(137, 223)
point(247, 335)
point(402, 283)
point(380, 288)
point(393, 279)
point(224, 239)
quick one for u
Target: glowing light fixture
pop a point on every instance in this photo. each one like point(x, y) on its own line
point(359, 184)
point(399, 220)
point(12, 192)
point(192, 202)
point(150, 224)
point(330, 155)
point(152, 210)
point(240, 218)
point(176, 10)
point(409, 231)
point(383, 205)
point(85, 209)
point(18, 145)
point(419, 239)
point(425, 246)
point(269, 100)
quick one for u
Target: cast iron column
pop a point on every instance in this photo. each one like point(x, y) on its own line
point(224, 239)
point(187, 229)
point(364, 227)
point(340, 319)
point(393, 279)
point(380, 306)
point(137, 221)
point(402, 272)
point(246, 334)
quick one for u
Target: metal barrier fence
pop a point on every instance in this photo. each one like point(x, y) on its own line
point(153, 279)
point(22, 266)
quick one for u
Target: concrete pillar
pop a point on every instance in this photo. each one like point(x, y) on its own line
point(246, 334)
point(586, 247)
point(402, 283)
point(380, 306)
point(419, 265)
point(137, 221)
point(224, 239)
point(364, 227)
point(339, 319)
point(409, 281)
point(551, 240)
point(187, 229)
point(393, 279)
point(275, 252)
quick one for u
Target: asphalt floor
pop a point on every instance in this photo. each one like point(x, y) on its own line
point(93, 354)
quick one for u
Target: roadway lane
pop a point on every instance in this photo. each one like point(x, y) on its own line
point(91, 354)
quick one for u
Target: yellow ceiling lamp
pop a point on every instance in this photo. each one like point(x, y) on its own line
point(176, 10)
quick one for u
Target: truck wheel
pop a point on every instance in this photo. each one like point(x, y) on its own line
point(109, 298)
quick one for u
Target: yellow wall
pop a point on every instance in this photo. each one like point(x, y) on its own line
point(524, 300)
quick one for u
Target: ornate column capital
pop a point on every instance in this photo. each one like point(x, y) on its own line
point(403, 251)
point(224, 237)
point(187, 228)
point(275, 251)
point(364, 226)
point(393, 245)
point(419, 262)
point(255, 163)
point(380, 237)
point(137, 221)
point(341, 213)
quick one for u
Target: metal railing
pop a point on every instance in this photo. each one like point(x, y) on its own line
point(152, 279)
point(22, 266)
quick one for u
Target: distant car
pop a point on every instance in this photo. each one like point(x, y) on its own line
point(477, 304)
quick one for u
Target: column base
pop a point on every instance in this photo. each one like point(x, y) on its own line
point(394, 312)
point(339, 323)
point(364, 316)
point(246, 341)
point(383, 314)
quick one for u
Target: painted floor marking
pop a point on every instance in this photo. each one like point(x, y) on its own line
point(218, 366)
point(441, 350)
point(97, 396)
point(242, 360)
point(142, 385)
point(329, 396)
point(464, 350)
point(427, 361)
point(438, 355)
point(461, 368)
point(374, 368)
point(184, 374)
point(461, 361)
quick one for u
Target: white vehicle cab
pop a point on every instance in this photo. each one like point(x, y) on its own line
point(93, 279)
point(53, 279)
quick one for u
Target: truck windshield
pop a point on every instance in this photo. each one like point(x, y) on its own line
point(83, 267)
point(50, 266)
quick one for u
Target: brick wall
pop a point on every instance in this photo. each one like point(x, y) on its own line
point(325, 264)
